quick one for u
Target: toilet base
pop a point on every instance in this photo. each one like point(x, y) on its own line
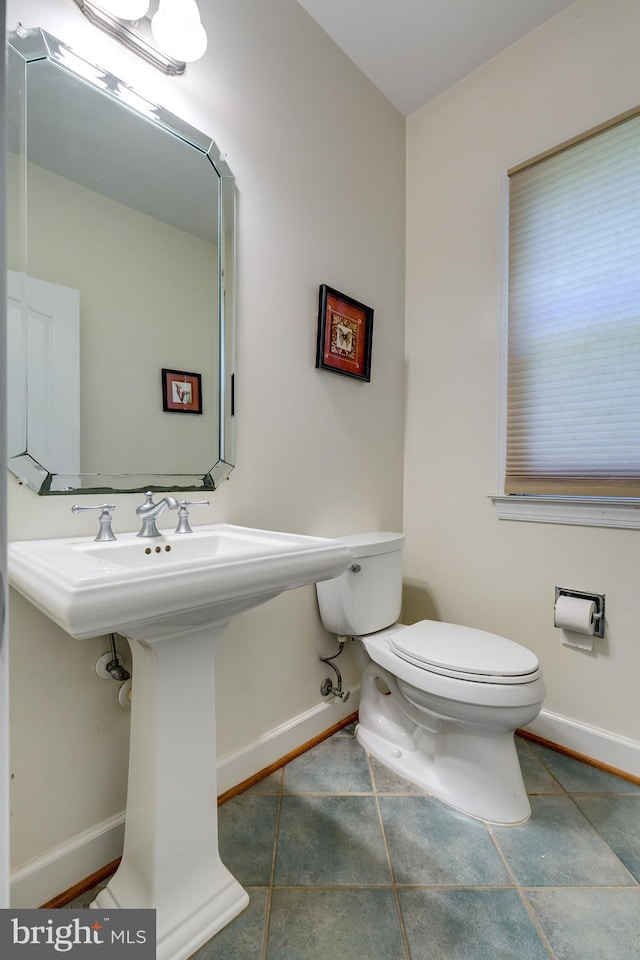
point(473, 768)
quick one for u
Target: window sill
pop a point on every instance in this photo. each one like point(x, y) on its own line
point(581, 511)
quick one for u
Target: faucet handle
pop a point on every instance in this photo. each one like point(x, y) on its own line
point(183, 514)
point(105, 533)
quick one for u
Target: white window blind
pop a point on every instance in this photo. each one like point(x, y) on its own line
point(573, 395)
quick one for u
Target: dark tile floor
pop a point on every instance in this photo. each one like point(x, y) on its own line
point(341, 858)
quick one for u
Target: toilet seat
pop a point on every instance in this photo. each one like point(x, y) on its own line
point(464, 653)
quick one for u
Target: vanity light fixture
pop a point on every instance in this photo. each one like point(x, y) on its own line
point(166, 33)
point(177, 29)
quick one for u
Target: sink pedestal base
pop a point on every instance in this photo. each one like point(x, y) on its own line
point(171, 861)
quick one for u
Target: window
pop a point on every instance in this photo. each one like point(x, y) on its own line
point(573, 382)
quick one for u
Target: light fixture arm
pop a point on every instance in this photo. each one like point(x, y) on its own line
point(135, 38)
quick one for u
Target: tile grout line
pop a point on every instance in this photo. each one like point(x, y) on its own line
point(525, 903)
point(394, 885)
point(431, 886)
point(272, 875)
point(571, 795)
point(586, 793)
point(602, 840)
point(267, 921)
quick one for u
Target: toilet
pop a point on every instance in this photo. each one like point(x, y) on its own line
point(439, 702)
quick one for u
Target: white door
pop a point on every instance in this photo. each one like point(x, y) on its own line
point(43, 373)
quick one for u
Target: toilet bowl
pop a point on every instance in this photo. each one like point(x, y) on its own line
point(439, 702)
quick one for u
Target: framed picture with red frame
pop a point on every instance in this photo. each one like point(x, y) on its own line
point(181, 392)
point(345, 332)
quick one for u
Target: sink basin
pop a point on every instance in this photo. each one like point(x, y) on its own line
point(172, 597)
point(142, 586)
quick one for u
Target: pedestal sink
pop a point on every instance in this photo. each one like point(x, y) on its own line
point(171, 597)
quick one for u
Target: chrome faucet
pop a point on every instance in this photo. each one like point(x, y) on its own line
point(150, 511)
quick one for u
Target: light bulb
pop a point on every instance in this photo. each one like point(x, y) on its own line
point(177, 30)
point(125, 9)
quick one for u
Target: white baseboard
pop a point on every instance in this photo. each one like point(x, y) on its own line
point(593, 742)
point(239, 765)
point(45, 877)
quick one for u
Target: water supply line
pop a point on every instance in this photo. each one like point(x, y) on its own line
point(115, 668)
point(110, 666)
point(327, 687)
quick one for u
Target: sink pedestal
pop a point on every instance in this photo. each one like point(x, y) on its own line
point(171, 861)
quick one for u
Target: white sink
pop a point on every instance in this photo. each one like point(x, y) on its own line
point(142, 586)
point(171, 596)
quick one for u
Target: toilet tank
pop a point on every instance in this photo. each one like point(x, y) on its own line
point(364, 600)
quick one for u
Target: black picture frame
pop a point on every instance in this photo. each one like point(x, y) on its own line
point(181, 391)
point(345, 334)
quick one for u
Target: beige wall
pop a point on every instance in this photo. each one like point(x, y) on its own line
point(462, 563)
point(319, 157)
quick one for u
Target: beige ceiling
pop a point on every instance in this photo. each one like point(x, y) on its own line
point(412, 50)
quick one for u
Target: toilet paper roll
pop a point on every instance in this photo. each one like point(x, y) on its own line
point(576, 615)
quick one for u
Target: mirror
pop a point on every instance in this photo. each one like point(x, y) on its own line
point(121, 255)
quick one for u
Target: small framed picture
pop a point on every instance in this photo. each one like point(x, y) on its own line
point(181, 392)
point(345, 330)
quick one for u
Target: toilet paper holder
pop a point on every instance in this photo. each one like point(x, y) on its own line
point(597, 598)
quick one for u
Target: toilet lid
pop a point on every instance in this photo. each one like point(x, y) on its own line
point(465, 653)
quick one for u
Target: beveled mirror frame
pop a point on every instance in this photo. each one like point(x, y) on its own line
point(34, 45)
